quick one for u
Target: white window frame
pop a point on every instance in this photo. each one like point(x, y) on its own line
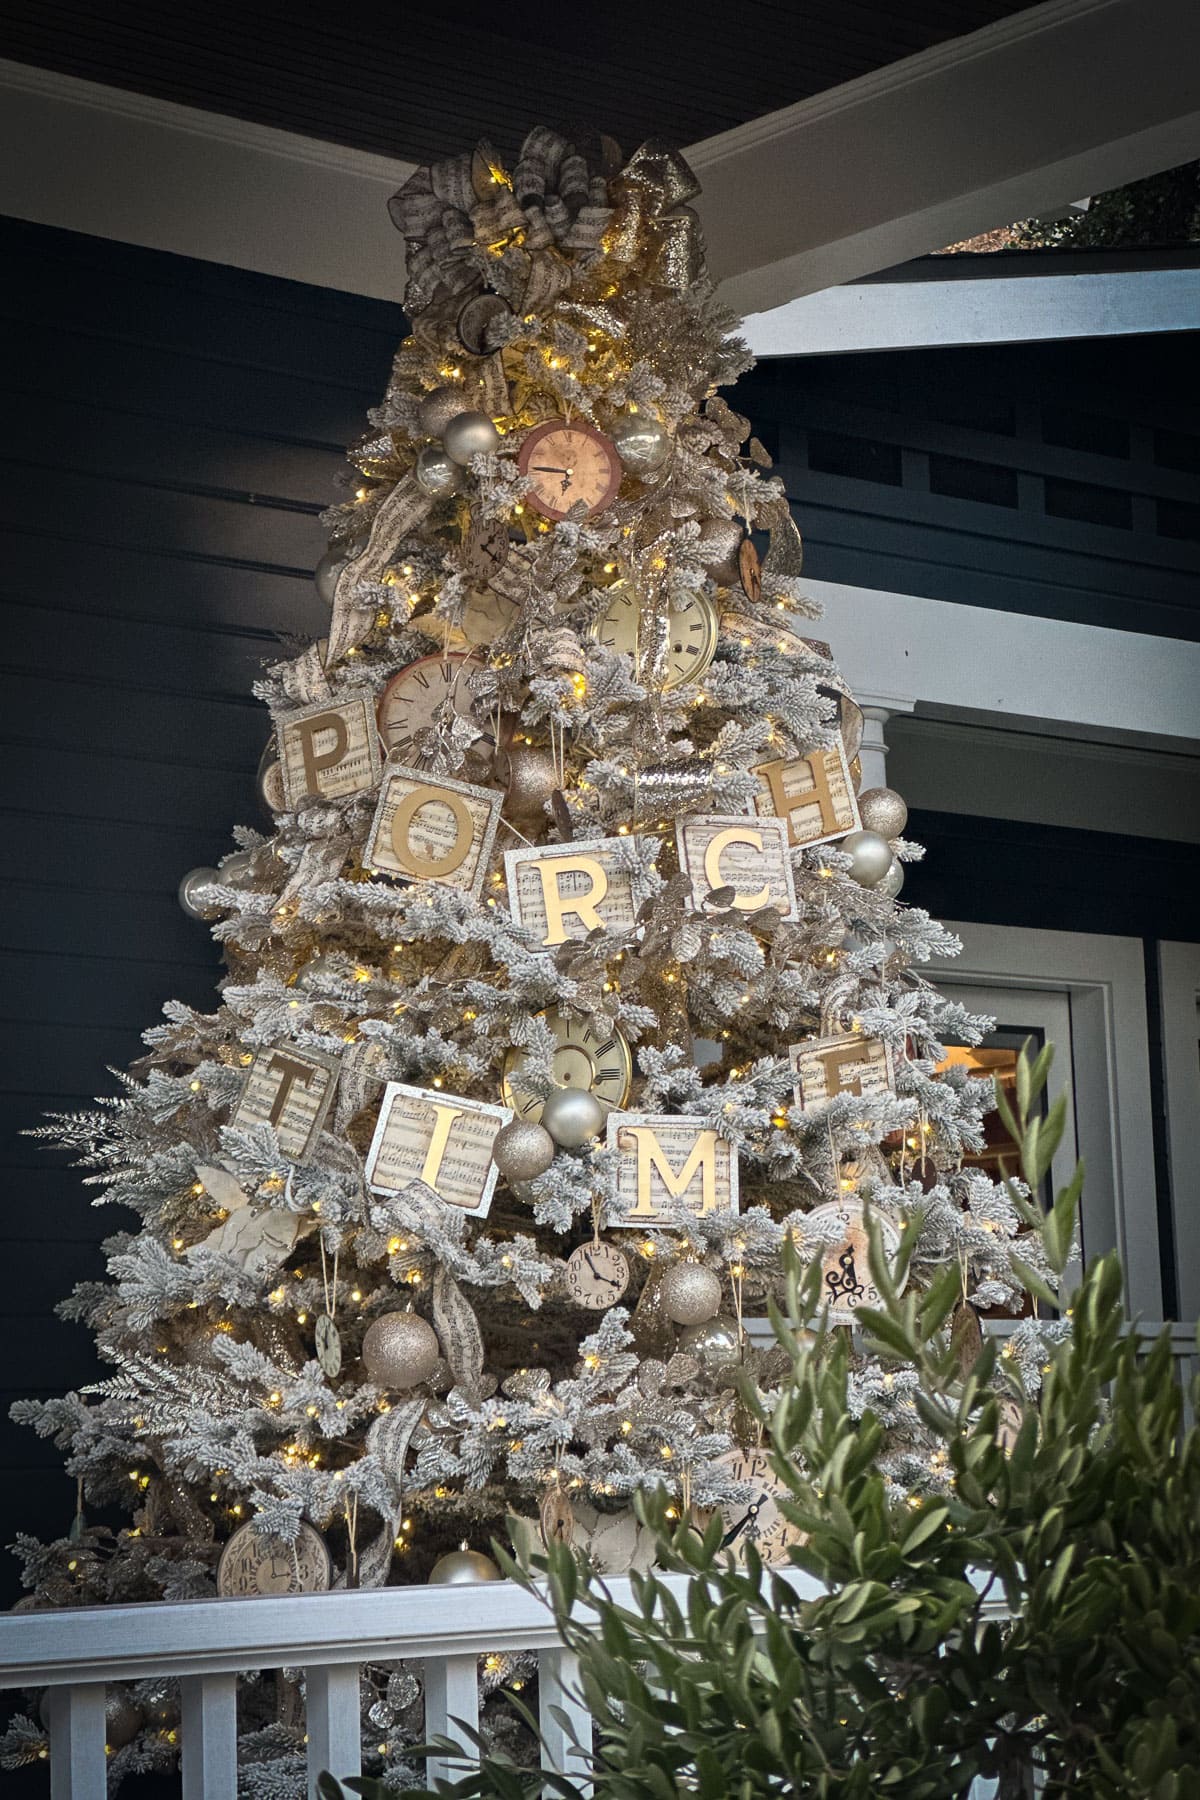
point(1107, 1064)
point(1179, 974)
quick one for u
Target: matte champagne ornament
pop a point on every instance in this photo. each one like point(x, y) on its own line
point(870, 857)
point(470, 434)
point(572, 1116)
point(462, 1568)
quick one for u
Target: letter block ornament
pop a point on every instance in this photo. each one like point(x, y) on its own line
point(566, 890)
point(439, 1139)
point(667, 1161)
point(847, 1064)
point(429, 828)
point(329, 750)
point(291, 1090)
point(813, 793)
point(750, 856)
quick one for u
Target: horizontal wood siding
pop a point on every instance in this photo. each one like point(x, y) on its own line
point(1061, 480)
point(171, 432)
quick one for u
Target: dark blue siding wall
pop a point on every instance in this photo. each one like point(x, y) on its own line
point(170, 432)
point(1056, 479)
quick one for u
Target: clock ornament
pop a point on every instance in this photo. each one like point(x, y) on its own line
point(568, 463)
point(582, 1060)
point(758, 1520)
point(413, 700)
point(694, 629)
point(597, 1275)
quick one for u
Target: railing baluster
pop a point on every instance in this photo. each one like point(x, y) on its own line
point(451, 1695)
point(77, 1766)
point(334, 1721)
point(208, 1730)
point(565, 1739)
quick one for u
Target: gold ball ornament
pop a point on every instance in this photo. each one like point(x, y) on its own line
point(522, 1150)
point(883, 810)
point(469, 434)
point(870, 857)
point(438, 407)
point(530, 776)
point(718, 545)
point(717, 1342)
point(192, 891)
point(463, 1568)
point(572, 1116)
point(643, 443)
point(400, 1350)
point(691, 1293)
point(437, 473)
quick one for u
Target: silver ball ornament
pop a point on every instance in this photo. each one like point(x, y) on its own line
point(438, 408)
point(325, 575)
point(237, 868)
point(870, 857)
point(400, 1350)
point(893, 881)
point(437, 473)
point(122, 1719)
point(572, 1116)
point(191, 894)
point(460, 1568)
point(881, 809)
point(716, 1342)
point(470, 434)
point(643, 443)
point(522, 1150)
point(690, 1293)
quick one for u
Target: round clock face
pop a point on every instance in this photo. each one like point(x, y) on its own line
point(582, 1060)
point(757, 1520)
point(567, 463)
point(413, 700)
point(693, 633)
point(597, 1275)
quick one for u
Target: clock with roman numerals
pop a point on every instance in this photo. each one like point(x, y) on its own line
point(693, 628)
point(758, 1520)
point(415, 699)
point(583, 1059)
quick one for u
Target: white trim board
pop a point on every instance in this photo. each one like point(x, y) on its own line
point(980, 662)
point(984, 309)
point(962, 137)
point(1179, 971)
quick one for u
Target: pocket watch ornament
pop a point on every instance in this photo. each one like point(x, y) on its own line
point(597, 1275)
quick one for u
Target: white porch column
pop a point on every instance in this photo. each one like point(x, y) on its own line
point(877, 709)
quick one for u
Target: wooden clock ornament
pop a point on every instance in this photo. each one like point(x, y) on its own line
point(569, 462)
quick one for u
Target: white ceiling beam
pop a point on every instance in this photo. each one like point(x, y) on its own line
point(980, 308)
point(1072, 97)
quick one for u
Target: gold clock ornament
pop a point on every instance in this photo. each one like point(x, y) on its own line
point(597, 1275)
point(412, 700)
point(602, 1066)
point(569, 462)
point(757, 1520)
point(694, 629)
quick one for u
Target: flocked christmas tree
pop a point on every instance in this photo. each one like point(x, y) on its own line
point(570, 984)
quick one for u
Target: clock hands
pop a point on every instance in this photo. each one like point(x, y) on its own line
point(751, 1515)
point(607, 1279)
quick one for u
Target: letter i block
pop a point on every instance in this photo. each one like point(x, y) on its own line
point(669, 1164)
point(291, 1090)
point(329, 750)
point(567, 890)
point(429, 828)
point(438, 1139)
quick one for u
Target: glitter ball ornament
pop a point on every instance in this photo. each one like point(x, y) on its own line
point(716, 1342)
point(439, 407)
point(530, 777)
point(192, 894)
point(691, 1293)
point(462, 1567)
point(437, 473)
point(643, 443)
point(470, 434)
point(718, 546)
point(572, 1116)
point(881, 809)
point(400, 1350)
point(870, 856)
point(522, 1150)
point(122, 1719)
point(893, 881)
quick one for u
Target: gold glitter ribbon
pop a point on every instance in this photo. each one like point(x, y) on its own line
point(651, 192)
